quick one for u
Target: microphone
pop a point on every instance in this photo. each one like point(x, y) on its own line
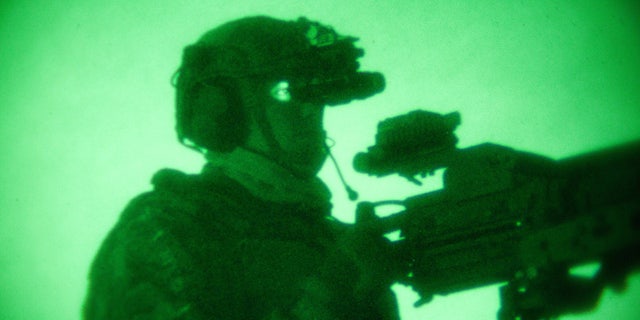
point(352, 194)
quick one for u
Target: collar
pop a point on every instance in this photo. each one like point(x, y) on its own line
point(266, 179)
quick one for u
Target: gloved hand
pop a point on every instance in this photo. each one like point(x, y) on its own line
point(354, 279)
point(371, 256)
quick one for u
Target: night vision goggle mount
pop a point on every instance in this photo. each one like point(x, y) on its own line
point(332, 67)
point(323, 70)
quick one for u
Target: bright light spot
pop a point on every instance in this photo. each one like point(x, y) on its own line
point(280, 91)
point(587, 270)
point(393, 236)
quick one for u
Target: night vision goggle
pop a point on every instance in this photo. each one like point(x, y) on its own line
point(330, 92)
point(328, 70)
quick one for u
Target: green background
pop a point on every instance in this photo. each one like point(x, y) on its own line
point(87, 112)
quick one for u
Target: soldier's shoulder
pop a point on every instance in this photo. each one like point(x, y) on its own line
point(169, 197)
point(176, 190)
point(172, 221)
point(183, 201)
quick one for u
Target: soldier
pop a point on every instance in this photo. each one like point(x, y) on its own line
point(251, 237)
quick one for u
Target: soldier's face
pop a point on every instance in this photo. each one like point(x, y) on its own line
point(297, 126)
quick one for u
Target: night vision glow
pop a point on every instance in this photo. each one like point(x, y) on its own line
point(281, 92)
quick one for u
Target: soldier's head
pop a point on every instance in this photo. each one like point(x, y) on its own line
point(262, 84)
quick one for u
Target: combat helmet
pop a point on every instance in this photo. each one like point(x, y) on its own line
point(323, 63)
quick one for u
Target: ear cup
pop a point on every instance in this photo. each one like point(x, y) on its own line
point(212, 115)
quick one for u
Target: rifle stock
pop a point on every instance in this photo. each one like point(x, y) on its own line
point(514, 218)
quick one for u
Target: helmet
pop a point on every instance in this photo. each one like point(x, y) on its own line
point(321, 65)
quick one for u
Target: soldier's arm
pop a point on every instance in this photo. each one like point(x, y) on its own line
point(141, 269)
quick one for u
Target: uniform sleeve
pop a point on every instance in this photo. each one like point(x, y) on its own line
point(144, 270)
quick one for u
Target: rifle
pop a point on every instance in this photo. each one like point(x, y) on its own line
point(506, 217)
